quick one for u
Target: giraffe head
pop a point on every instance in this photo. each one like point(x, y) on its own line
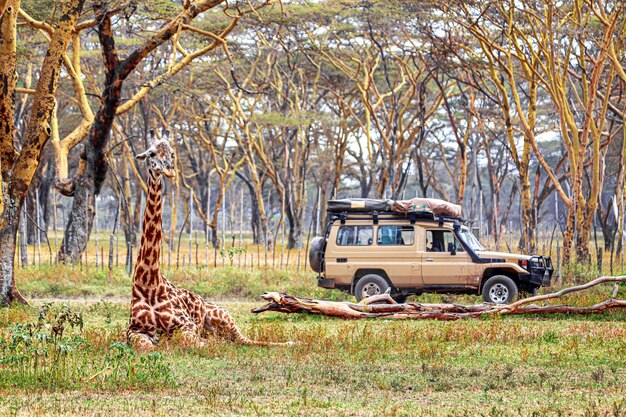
point(160, 155)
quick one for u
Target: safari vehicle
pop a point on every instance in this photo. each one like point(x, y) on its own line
point(372, 246)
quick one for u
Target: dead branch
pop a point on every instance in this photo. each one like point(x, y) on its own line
point(383, 306)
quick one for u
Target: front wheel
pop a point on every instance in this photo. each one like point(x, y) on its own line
point(500, 289)
point(370, 285)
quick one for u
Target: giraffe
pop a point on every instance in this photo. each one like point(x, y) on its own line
point(158, 306)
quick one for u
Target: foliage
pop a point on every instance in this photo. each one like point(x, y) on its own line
point(41, 352)
point(53, 353)
point(231, 251)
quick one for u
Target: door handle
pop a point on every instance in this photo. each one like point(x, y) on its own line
point(429, 259)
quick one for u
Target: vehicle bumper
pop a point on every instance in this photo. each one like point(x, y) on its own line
point(326, 282)
point(535, 280)
point(540, 273)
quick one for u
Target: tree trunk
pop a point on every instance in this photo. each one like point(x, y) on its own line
point(90, 182)
point(255, 220)
point(295, 231)
point(527, 240)
point(322, 209)
point(136, 217)
point(568, 235)
point(38, 211)
point(124, 194)
point(8, 82)
point(258, 205)
point(294, 217)
point(22, 168)
point(88, 185)
point(30, 216)
point(583, 237)
point(8, 234)
point(384, 307)
point(45, 208)
point(80, 222)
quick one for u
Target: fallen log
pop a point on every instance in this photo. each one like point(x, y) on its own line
point(383, 306)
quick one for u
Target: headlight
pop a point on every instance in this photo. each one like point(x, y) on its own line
point(531, 263)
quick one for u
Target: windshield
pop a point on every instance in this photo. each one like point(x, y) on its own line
point(470, 240)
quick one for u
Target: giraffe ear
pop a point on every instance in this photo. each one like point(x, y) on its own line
point(142, 156)
point(166, 134)
point(152, 136)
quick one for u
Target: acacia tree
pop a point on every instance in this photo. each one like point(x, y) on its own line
point(534, 49)
point(606, 14)
point(498, 79)
point(19, 165)
point(394, 80)
point(581, 136)
point(238, 108)
point(88, 183)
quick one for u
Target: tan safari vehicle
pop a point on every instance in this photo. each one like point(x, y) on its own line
point(368, 249)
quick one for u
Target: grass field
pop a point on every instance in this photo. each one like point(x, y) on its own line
point(57, 360)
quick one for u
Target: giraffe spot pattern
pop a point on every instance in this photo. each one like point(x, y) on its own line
point(157, 305)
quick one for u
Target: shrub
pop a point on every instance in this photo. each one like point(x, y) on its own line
point(52, 353)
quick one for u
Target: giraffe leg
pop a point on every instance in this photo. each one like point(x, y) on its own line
point(140, 341)
point(190, 336)
point(220, 322)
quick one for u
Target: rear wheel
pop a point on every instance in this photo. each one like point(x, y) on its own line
point(315, 259)
point(370, 285)
point(500, 289)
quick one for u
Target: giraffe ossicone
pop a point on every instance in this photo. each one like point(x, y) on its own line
point(158, 306)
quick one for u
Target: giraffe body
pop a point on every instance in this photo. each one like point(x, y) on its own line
point(159, 307)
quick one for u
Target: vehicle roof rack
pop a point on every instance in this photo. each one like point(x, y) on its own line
point(375, 215)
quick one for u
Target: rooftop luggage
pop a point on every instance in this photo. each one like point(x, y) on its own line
point(433, 205)
point(359, 205)
point(415, 205)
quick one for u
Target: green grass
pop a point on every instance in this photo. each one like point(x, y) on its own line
point(517, 366)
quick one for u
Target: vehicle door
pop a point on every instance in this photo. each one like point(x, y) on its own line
point(444, 262)
point(397, 254)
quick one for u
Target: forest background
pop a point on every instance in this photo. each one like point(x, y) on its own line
point(514, 110)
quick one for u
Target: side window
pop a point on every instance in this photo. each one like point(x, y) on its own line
point(441, 241)
point(355, 235)
point(395, 235)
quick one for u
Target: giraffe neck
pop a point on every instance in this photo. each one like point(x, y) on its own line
point(147, 270)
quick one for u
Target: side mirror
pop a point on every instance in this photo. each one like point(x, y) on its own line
point(452, 248)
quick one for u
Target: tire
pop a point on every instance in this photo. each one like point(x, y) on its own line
point(315, 258)
point(369, 285)
point(500, 289)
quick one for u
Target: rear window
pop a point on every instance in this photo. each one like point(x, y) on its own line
point(355, 235)
point(395, 235)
